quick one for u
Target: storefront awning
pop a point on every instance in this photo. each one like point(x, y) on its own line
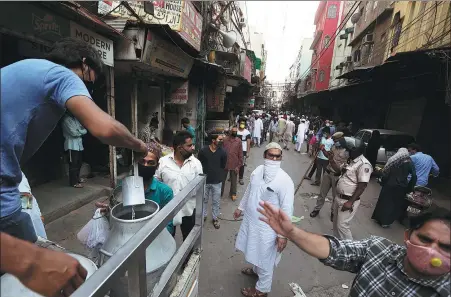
point(78, 13)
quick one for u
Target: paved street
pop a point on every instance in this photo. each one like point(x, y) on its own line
point(220, 269)
point(220, 266)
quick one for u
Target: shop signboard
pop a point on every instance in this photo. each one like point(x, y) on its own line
point(165, 12)
point(251, 102)
point(216, 126)
point(178, 93)
point(34, 20)
point(104, 46)
point(181, 16)
point(216, 96)
point(164, 56)
point(247, 69)
point(191, 26)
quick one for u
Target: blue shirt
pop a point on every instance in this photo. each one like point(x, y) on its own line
point(72, 132)
point(161, 194)
point(424, 164)
point(328, 143)
point(33, 99)
point(191, 130)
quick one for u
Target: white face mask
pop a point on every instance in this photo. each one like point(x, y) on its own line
point(270, 169)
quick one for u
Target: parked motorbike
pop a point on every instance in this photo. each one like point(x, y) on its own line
point(419, 201)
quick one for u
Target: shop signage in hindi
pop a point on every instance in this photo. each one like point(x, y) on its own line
point(216, 96)
point(165, 12)
point(251, 102)
point(166, 57)
point(179, 93)
point(104, 46)
point(191, 26)
point(247, 69)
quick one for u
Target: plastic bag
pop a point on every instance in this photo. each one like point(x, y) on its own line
point(95, 232)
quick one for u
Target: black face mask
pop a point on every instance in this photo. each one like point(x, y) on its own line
point(234, 134)
point(219, 143)
point(147, 172)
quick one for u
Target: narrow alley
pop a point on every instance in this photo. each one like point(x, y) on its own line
point(220, 274)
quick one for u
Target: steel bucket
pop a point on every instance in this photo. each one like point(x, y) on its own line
point(133, 189)
point(158, 253)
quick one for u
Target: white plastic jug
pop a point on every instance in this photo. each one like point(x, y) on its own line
point(133, 189)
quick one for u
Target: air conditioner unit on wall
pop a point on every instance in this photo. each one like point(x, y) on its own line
point(368, 38)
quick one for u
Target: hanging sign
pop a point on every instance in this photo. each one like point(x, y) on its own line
point(247, 70)
point(166, 57)
point(104, 46)
point(216, 96)
point(165, 12)
point(191, 26)
point(179, 93)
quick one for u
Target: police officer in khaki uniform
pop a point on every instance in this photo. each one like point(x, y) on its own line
point(350, 187)
point(338, 156)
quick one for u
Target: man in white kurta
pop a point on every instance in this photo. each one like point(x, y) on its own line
point(300, 136)
point(258, 129)
point(259, 243)
point(288, 135)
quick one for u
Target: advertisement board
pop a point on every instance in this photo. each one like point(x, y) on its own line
point(166, 57)
point(179, 93)
point(181, 16)
point(104, 46)
point(166, 12)
point(247, 70)
point(216, 96)
point(191, 26)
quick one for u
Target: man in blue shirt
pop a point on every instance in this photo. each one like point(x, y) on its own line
point(35, 94)
point(189, 128)
point(322, 161)
point(424, 164)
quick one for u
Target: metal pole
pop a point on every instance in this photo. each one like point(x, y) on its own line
point(112, 112)
point(134, 109)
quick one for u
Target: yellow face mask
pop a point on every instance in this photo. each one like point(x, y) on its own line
point(242, 125)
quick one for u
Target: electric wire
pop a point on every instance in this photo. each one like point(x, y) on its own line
point(339, 28)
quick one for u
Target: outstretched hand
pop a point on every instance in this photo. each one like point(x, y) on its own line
point(279, 221)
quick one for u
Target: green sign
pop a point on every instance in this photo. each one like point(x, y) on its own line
point(32, 19)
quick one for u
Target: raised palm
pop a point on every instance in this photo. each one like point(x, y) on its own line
point(279, 221)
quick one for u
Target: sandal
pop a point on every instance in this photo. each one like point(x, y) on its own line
point(78, 186)
point(216, 224)
point(82, 180)
point(249, 271)
point(252, 292)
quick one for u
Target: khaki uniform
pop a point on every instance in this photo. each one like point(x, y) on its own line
point(330, 177)
point(358, 171)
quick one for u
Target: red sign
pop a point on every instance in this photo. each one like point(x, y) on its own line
point(247, 69)
point(191, 26)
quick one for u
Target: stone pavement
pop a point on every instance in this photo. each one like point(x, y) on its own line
point(220, 265)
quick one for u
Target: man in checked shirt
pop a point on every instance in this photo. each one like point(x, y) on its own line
point(383, 268)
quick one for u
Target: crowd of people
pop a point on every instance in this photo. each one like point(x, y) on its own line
point(56, 87)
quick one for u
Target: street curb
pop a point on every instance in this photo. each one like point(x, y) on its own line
point(66, 209)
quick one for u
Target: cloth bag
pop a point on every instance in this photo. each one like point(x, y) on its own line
point(95, 232)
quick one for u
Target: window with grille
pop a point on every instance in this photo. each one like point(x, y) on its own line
point(322, 75)
point(397, 27)
point(326, 41)
point(332, 11)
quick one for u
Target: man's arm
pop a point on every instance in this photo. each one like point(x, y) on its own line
point(103, 126)
point(223, 159)
point(44, 271)
point(341, 255)
point(248, 142)
point(435, 170)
